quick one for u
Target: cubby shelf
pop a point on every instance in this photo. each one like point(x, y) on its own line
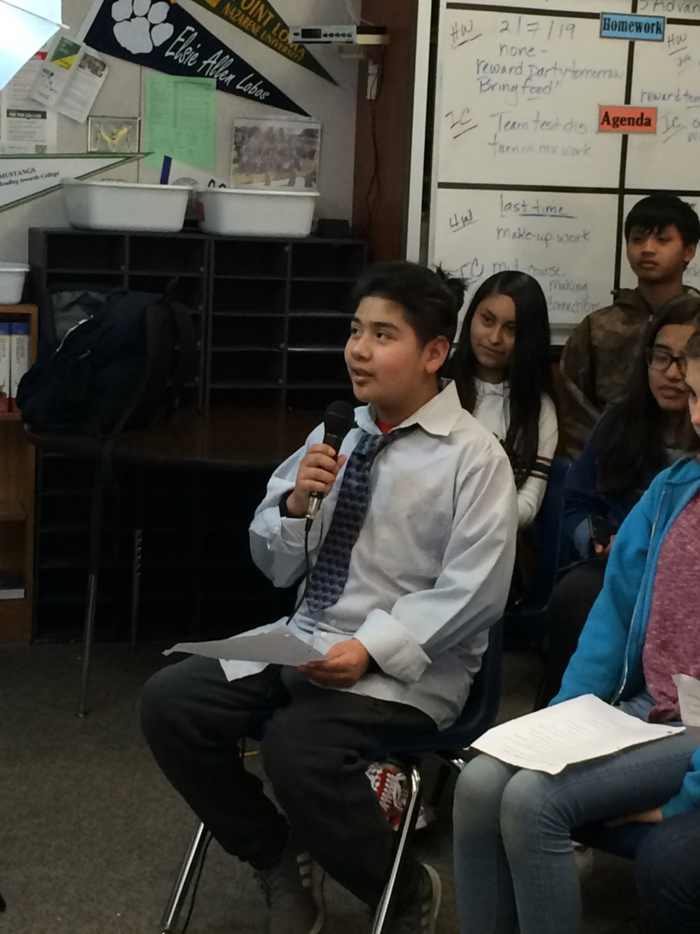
point(272, 319)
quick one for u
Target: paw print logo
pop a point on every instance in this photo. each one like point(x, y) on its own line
point(141, 25)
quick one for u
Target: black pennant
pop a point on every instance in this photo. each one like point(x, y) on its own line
point(260, 20)
point(170, 40)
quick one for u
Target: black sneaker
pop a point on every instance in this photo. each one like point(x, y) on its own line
point(420, 916)
point(294, 893)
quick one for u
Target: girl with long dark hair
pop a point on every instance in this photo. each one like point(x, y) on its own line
point(630, 445)
point(504, 378)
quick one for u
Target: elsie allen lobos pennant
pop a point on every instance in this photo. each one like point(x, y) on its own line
point(163, 36)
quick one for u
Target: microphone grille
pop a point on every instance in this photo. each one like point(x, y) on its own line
point(339, 418)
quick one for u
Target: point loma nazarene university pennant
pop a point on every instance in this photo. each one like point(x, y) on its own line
point(259, 19)
point(163, 36)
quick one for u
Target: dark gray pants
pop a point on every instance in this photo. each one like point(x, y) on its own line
point(316, 747)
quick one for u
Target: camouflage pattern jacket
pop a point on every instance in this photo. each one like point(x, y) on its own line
point(597, 362)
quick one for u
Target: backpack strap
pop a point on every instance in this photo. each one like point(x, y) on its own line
point(185, 341)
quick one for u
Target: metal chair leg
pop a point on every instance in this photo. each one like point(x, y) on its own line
point(408, 825)
point(188, 868)
point(98, 494)
point(136, 585)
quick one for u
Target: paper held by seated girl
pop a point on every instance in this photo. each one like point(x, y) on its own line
point(689, 698)
point(574, 731)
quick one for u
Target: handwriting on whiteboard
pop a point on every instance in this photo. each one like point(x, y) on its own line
point(521, 95)
point(564, 240)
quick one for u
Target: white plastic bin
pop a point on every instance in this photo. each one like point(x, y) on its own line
point(12, 276)
point(125, 205)
point(256, 212)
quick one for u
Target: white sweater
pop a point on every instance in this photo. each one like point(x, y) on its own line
point(492, 410)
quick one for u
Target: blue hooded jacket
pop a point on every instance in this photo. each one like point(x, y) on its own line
point(608, 660)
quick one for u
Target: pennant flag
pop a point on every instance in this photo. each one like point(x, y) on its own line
point(259, 19)
point(24, 178)
point(165, 37)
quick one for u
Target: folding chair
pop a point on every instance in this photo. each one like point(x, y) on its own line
point(447, 745)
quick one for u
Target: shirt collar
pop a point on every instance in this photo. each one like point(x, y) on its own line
point(438, 416)
point(492, 389)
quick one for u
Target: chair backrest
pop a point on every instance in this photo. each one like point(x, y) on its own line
point(479, 712)
point(485, 694)
point(545, 537)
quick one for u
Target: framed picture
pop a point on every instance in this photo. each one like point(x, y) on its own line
point(275, 152)
point(113, 134)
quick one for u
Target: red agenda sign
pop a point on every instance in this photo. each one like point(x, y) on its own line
point(620, 118)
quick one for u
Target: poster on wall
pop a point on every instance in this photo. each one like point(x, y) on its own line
point(24, 178)
point(70, 79)
point(275, 153)
point(165, 37)
point(261, 21)
point(113, 134)
point(25, 125)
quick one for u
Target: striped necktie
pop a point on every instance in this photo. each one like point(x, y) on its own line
point(330, 573)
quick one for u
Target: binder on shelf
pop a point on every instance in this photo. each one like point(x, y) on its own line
point(11, 587)
point(19, 355)
point(4, 366)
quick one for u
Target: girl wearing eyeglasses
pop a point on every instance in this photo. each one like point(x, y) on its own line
point(632, 442)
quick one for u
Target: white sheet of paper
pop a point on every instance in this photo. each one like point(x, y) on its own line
point(689, 697)
point(25, 125)
point(574, 731)
point(84, 84)
point(276, 647)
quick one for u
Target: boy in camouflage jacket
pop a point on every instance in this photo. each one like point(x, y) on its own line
point(661, 232)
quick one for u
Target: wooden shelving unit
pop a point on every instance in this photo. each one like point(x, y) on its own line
point(17, 481)
point(272, 316)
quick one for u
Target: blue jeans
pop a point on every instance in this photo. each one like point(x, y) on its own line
point(514, 861)
point(667, 868)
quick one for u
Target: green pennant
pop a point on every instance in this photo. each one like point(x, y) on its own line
point(259, 19)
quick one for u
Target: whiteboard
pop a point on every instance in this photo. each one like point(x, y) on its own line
point(515, 114)
point(692, 273)
point(579, 6)
point(520, 96)
point(558, 238)
point(666, 75)
point(688, 9)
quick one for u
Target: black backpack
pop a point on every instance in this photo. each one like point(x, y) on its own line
point(124, 367)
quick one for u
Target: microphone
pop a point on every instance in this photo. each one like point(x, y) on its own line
point(338, 420)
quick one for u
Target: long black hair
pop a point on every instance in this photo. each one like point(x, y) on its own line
point(530, 369)
point(431, 300)
point(633, 440)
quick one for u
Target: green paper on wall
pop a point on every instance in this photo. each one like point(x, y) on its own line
point(180, 120)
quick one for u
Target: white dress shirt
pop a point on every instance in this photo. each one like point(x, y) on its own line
point(492, 410)
point(430, 570)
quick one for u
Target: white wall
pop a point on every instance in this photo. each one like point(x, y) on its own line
point(123, 96)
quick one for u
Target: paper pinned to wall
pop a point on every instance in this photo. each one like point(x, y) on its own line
point(70, 79)
point(25, 125)
point(180, 120)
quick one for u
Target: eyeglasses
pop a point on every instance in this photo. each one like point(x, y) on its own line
point(660, 359)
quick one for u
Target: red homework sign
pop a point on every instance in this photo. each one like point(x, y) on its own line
point(619, 118)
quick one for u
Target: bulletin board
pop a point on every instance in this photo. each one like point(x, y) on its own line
point(527, 173)
point(331, 103)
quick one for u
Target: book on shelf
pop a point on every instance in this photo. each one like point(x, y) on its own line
point(11, 587)
point(5, 355)
point(19, 356)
